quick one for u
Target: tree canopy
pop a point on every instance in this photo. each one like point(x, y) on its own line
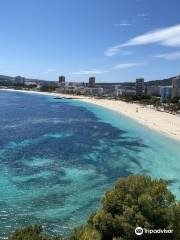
point(33, 232)
point(137, 201)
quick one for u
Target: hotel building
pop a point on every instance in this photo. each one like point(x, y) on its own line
point(166, 93)
point(92, 82)
point(139, 85)
point(176, 87)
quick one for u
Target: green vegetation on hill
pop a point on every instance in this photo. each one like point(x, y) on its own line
point(132, 202)
point(164, 82)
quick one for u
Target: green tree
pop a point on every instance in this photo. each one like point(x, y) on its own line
point(33, 232)
point(175, 99)
point(132, 202)
point(85, 233)
point(177, 222)
point(137, 201)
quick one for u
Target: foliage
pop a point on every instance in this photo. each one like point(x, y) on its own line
point(177, 221)
point(85, 233)
point(141, 98)
point(135, 201)
point(33, 232)
point(132, 202)
point(175, 100)
point(171, 105)
point(47, 88)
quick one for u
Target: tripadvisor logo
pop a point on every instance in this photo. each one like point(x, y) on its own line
point(140, 231)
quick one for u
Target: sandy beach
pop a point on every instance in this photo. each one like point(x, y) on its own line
point(165, 123)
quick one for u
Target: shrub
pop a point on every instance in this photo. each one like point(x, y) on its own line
point(136, 201)
point(33, 232)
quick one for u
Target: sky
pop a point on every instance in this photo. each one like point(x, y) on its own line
point(113, 40)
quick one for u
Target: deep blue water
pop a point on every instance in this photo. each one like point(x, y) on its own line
point(57, 158)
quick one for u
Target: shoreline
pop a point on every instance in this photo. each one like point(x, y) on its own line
point(162, 122)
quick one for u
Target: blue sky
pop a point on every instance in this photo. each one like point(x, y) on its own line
point(114, 40)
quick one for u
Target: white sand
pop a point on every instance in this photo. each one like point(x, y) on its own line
point(162, 122)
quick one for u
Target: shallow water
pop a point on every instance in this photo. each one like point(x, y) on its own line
point(57, 158)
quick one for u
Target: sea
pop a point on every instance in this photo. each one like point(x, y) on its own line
point(59, 156)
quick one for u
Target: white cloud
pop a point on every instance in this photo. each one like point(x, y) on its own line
point(127, 52)
point(142, 15)
point(89, 72)
point(117, 49)
point(169, 56)
point(115, 67)
point(113, 50)
point(169, 36)
point(51, 70)
point(123, 24)
point(127, 65)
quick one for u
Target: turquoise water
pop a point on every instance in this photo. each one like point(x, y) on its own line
point(57, 158)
